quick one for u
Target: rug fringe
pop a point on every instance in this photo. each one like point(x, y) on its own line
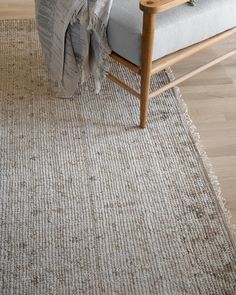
point(206, 161)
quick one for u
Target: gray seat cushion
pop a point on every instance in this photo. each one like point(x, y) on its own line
point(177, 28)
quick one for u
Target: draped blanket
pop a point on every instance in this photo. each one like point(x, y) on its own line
point(73, 38)
point(193, 2)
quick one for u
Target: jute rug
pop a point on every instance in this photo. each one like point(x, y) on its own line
point(91, 204)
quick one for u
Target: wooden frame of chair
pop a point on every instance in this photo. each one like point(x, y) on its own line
point(149, 67)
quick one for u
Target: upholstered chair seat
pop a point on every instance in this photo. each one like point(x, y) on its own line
point(176, 28)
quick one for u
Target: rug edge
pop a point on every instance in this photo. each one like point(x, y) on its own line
point(214, 181)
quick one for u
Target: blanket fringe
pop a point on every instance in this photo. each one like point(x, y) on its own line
point(102, 68)
point(97, 28)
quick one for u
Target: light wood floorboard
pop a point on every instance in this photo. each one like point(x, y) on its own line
point(211, 99)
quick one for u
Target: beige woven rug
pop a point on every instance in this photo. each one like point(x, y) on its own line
point(91, 204)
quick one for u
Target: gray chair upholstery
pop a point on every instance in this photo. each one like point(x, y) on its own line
point(176, 29)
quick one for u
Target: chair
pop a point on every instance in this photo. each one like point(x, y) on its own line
point(162, 33)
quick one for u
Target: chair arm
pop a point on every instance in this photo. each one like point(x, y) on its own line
point(156, 6)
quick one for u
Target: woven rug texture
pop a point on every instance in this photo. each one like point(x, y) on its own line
point(90, 203)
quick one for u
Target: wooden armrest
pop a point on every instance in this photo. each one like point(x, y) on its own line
point(155, 6)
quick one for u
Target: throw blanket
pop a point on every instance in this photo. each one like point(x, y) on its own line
point(193, 2)
point(66, 25)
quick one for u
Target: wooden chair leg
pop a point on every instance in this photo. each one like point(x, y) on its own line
point(146, 65)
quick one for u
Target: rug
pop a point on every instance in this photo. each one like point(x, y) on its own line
point(90, 203)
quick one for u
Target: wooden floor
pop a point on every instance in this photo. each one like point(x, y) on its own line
point(211, 99)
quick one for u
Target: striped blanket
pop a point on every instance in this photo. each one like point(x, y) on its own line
point(73, 38)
